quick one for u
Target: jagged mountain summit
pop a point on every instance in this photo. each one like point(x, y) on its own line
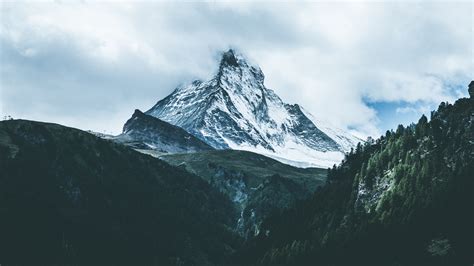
point(234, 110)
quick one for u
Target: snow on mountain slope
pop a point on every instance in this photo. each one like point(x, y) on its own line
point(234, 110)
point(342, 137)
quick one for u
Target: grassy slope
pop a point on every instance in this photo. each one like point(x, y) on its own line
point(253, 165)
point(257, 185)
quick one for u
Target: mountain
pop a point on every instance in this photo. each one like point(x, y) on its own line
point(257, 185)
point(404, 199)
point(69, 197)
point(146, 132)
point(234, 110)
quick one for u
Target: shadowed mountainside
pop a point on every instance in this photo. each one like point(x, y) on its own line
point(67, 196)
point(257, 185)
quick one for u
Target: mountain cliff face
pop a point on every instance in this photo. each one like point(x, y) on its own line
point(146, 132)
point(234, 110)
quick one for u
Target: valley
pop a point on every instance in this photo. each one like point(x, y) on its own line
point(223, 172)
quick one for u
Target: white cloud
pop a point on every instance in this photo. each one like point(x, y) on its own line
point(424, 109)
point(90, 64)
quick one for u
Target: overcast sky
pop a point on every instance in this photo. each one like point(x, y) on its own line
point(364, 66)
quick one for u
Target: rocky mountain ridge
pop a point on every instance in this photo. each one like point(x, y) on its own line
point(144, 132)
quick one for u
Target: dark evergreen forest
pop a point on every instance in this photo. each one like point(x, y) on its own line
point(403, 199)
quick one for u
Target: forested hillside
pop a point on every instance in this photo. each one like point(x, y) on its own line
point(68, 197)
point(406, 198)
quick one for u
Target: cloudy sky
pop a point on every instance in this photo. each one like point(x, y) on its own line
point(364, 66)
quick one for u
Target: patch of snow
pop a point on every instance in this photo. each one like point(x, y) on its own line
point(367, 198)
point(295, 154)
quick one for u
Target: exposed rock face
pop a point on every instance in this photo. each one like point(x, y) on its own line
point(471, 89)
point(142, 131)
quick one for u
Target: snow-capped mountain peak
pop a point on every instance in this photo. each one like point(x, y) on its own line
point(234, 67)
point(234, 110)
